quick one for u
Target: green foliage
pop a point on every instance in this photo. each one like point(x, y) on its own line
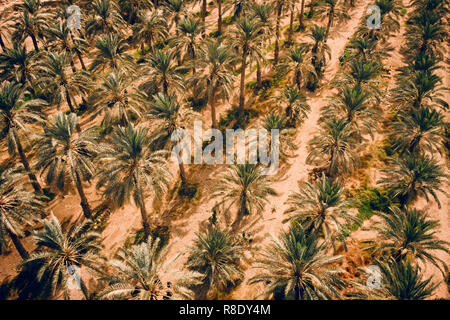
point(237, 117)
point(228, 20)
point(188, 190)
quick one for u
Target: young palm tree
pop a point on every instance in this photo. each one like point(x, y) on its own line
point(246, 186)
point(118, 99)
point(298, 62)
point(297, 266)
point(18, 208)
point(414, 176)
point(111, 52)
point(217, 255)
point(216, 75)
point(53, 71)
point(410, 233)
point(105, 18)
point(14, 114)
point(169, 117)
point(334, 148)
point(296, 106)
point(142, 273)
point(247, 37)
point(130, 169)
point(162, 70)
point(150, 28)
point(67, 155)
point(188, 40)
point(62, 250)
point(418, 131)
point(321, 208)
point(402, 281)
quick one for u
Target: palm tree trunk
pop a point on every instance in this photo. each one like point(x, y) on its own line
point(213, 107)
point(298, 79)
point(258, 74)
point(242, 85)
point(219, 18)
point(277, 33)
point(72, 65)
point(330, 23)
point(26, 165)
point(35, 44)
point(84, 202)
point(81, 61)
point(302, 12)
point(297, 292)
point(311, 9)
point(2, 43)
point(145, 223)
point(182, 173)
point(204, 16)
point(19, 246)
point(291, 24)
point(69, 100)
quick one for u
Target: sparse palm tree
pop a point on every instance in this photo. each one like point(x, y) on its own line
point(150, 28)
point(216, 254)
point(298, 62)
point(142, 273)
point(334, 148)
point(299, 268)
point(170, 118)
point(104, 18)
point(131, 169)
point(66, 156)
point(118, 99)
point(247, 37)
point(14, 114)
point(61, 251)
point(18, 208)
point(216, 74)
point(321, 208)
point(296, 106)
point(245, 186)
point(111, 52)
point(414, 176)
point(410, 233)
point(403, 281)
point(418, 131)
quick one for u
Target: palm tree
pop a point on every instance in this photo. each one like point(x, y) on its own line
point(62, 250)
point(150, 28)
point(334, 148)
point(404, 282)
point(169, 117)
point(299, 64)
point(246, 36)
point(105, 18)
point(14, 114)
point(31, 22)
point(216, 254)
point(413, 176)
point(176, 7)
point(279, 5)
point(334, 11)
point(130, 169)
point(162, 70)
point(410, 233)
point(18, 207)
point(5, 27)
point(54, 74)
point(418, 131)
point(67, 155)
point(296, 106)
point(291, 6)
point(321, 208)
point(130, 8)
point(246, 186)
point(298, 267)
point(188, 41)
point(286, 134)
point(118, 99)
point(217, 64)
point(319, 48)
point(142, 273)
point(301, 14)
point(111, 52)
point(17, 65)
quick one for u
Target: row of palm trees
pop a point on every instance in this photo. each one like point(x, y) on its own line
point(128, 160)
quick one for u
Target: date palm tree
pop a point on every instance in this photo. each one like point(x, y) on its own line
point(61, 251)
point(274, 121)
point(298, 62)
point(247, 37)
point(297, 108)
point(150, 28)
point(413, 176)
point(334, 148)
point(245, 186)
point(111, 52)
point(279, 8)
point(297, 266)
point(176, 8)
point(410, 233)
point(118, 99)
point(5, 27)
point(418, 131)
point(130, 169)
point(321, 208)
point(142, 273)
point(18, 207)
point(17, 65)
point(217, 255)
point(104, 18)
point(67, 156)
point(334, 10)
point(14, 114)
point(319, 48)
